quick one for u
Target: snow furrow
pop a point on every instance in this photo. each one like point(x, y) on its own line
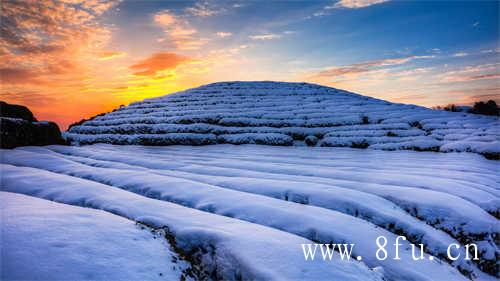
point(467, 223)
point(375, 210)
point(182, 189)
point(218, 241)
point(320, 224)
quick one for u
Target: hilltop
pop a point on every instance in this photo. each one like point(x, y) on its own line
point(281, 113)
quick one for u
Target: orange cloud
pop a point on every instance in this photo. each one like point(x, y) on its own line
point(39, 35)
point(164, 18)
point(10, 75)
point(109, 55)
point(158, 62)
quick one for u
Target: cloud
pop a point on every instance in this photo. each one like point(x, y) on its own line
point(320, 13)
point(203, 9)
point(45, 26)
point(365, 67)
point(471, 73)
point(12, 75)
point(471, 95)
point(222, 34)
point(50, 38)
point(472, 77)
point(355, 4)
point(269, 36)
point(179, 31)
point(272, 36)
point(460, 54)
point(490, 51)
point(28, 98)
point(158, 62)
point(411, 74)
point(345, 4)
point(164, 18)
point(109, 55)
point(50, 74)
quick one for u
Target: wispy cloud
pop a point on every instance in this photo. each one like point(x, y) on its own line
point(109, 55)
point(268, 36)
point(435, 50)
point(355, 4)
point(491, 51)
point(364, 67)
point(16, 75)
point(460, 54)
point(411, 74)
point(223, 34)
point(467, 78)
point(471, 95)
point(346, 4)
point(471, 73)
point(271, 36)
point(179, 31)
point(203, 9)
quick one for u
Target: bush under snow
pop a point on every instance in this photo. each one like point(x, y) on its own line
point(278, 113)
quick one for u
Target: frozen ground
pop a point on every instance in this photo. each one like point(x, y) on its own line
point(285, 114)
point(242, 212)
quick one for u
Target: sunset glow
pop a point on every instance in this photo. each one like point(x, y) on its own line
point(72, 59)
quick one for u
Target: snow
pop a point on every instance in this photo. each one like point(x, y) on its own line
point(229, 248)
point(243, 211)
point(15, 120)
point(253, 138)
point(279, 113)
point(44, 240)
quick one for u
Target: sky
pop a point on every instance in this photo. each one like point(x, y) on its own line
point(71, 59)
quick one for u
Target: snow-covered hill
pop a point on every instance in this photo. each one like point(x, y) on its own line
point(279, 113)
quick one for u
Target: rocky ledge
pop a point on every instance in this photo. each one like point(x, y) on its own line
point(18, 127)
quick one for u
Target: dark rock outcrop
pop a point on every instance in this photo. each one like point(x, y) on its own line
point(16, 111)
point(18, 127)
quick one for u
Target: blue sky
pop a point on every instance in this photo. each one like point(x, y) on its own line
point(422, 52)
point(312, 36)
